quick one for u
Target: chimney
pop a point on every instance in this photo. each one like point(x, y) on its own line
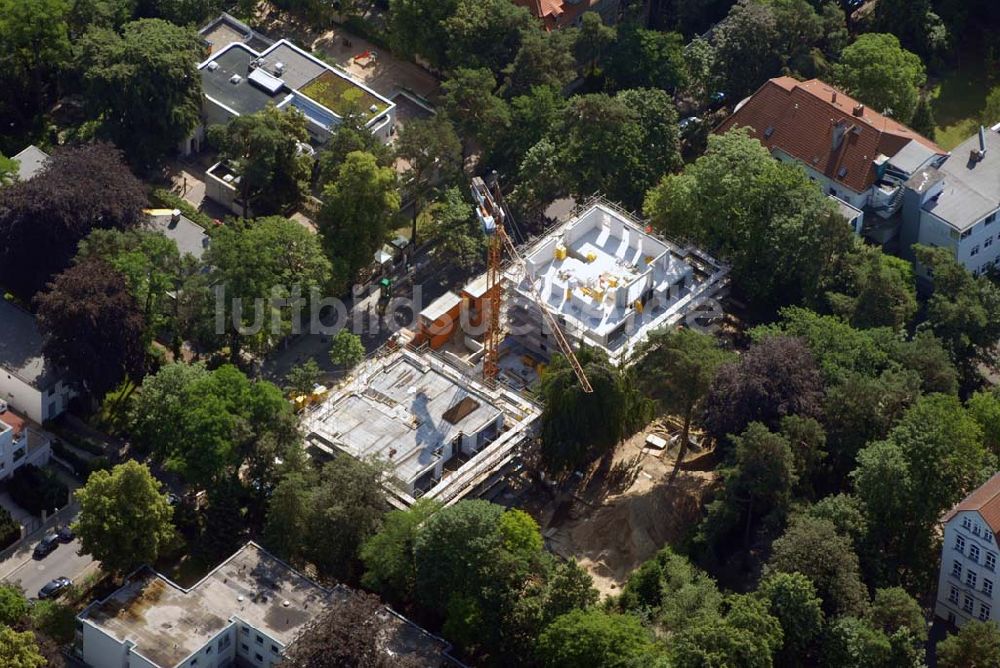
point(974, 155)
point(833, 97)
point(859, 110)
point(839, 130)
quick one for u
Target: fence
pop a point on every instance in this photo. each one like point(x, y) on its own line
point(35, 526)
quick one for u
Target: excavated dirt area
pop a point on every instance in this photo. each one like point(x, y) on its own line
point(620, 514)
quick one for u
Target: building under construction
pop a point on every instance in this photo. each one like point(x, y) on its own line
point(444, 434)
point(608, 281)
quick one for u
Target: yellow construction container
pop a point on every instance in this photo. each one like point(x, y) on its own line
point(638, 305)
point(649, 259)
point(560, 252)
point(591, 256)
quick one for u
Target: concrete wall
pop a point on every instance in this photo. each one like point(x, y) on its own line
point(101, 650)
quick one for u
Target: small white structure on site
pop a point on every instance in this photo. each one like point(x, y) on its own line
point(609, 282)
point(444, 434)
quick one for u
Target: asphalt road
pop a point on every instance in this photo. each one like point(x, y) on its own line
point(33, 574)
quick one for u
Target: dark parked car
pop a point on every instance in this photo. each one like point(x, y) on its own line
point(65, 533)
point(46, 546)
point(54, 588)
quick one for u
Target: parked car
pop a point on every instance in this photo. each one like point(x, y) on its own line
point(46, 546)
point(54, 588)
point(65, 533)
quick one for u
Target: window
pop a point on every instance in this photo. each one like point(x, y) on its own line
point(275, 650)
point(246, 647)
point(988, 587)
point(987, 535)
point(984, 611)
point(988, 242)
point(976, 529)
point(953, 595)
point(970, 579)
point(956, 569)
point(991, 561)
point(989, 219)
point(966, 605)
point(966, 523)
point(260, 641)
point(246, 630)
point(960, 544)
point(974, 553)
point(208, 650)
point(965, 235)
point(975, 250)
point(194, 662)
point(260, 659)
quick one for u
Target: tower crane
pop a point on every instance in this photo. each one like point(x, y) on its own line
point(492, 215)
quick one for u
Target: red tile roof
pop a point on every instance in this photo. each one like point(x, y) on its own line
point(556, 13)
point(802, 117)
point(15, 422)
point(985, 501)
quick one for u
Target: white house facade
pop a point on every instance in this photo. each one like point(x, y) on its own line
point(969, 555)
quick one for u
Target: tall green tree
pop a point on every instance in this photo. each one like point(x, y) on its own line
point(618, 146)
point(781, 235)
point(416, 28)
point(680, 365)
point(346, 350)
point(19, 649)
point(357, 214)
point(125, 518)
point(486, 33)
point(388, 555)
point(963, 310)
point(593, 41)
point(544, 59)
point(935, 456)
point(833, 570)
point(286, 527)
point(578, 427)
point(595, 638)
point(792, 599)
point(746, 48)
point(93, 327)
point(878, 290)
point(923, 118)
point(977, 644)
point(881, 73)
point(434, 153)
point(42, 220)
point(265, 149)
point(471, 102)
point(456, 235)
point(143, 86)
point(150, 264)
point(642, 58)
point(265, 269)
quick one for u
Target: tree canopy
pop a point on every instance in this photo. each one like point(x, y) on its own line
point(882, 74)
point(125, 518)
point(143, 86)
point(43, 219)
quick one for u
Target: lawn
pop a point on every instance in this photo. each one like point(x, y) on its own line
point(957, 98)
point(342, 96)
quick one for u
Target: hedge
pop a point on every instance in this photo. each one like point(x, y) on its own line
point(36, 490)
point(82, 466)
point(168, 200)
point(10, 531)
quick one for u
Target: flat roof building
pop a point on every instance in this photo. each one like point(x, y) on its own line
point(238, 79)
point(190, 238)
point(442, 433)
point(608, 282)
point(955, 204)
point(245, 612)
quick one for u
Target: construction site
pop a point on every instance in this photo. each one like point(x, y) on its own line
point(445, 435)
point(450, 405)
